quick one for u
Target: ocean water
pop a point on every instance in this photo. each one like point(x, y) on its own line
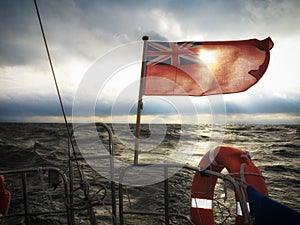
point(275, 149)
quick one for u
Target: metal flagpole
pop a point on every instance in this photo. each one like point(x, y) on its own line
point(140, 103)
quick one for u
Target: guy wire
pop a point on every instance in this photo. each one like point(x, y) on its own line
point(57, 88)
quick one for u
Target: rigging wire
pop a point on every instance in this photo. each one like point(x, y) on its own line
point(56, 85)
point(53, 73)
point(84, 183)
point(82, 180)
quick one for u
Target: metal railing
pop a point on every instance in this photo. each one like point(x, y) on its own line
point(68, 185)
point(27, 212)
point(166, 214)
point(72, 157)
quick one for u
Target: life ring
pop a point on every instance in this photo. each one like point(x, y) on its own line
point(4, 197)
point(239, 165)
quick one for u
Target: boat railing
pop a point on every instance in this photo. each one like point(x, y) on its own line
point(166, 214)
point(71, 187)
point(27, 212)
point(74, 158)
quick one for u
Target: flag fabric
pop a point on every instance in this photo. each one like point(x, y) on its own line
point(204, 68)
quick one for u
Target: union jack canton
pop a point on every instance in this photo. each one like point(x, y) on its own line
point(172, 53)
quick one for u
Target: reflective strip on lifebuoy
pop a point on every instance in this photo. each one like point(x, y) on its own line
point(239, 209)
point(239, 165)
point(201, 203)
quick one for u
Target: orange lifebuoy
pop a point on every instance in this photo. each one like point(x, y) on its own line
point(4, 197)
point(239, 165)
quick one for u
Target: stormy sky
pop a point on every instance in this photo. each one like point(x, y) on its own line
point(82, 34)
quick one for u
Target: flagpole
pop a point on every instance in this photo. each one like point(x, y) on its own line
point(140, 103)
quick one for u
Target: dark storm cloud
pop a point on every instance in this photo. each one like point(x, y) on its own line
point(18, 28)
point(33, 106)
point(268, 104)
point(49, 106)
point(74, 29)
point(82, 28)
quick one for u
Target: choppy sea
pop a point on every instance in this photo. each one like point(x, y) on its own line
point(275, 149)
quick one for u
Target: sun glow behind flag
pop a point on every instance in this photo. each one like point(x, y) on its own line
point(205, 68)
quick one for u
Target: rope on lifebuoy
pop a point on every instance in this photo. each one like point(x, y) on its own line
point(239, 165)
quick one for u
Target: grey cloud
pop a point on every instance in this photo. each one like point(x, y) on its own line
point(268, 104)
point(49, 106)
point(88, 28)
point(18, 42)
point(31, 107)
point(274, 17)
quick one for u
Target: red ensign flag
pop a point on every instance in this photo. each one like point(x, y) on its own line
point(205, 68)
